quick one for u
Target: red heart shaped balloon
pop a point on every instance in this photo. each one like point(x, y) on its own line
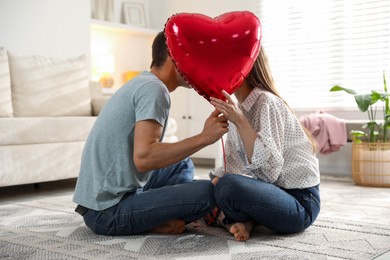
point(213, 54)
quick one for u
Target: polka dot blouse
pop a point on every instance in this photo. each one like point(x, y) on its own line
point(282, 153)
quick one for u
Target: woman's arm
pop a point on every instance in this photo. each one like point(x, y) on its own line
point(233, 113)
point(263, 149)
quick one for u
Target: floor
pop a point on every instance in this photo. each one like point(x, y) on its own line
point(349, 201)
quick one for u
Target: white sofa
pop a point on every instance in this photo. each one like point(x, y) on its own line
point(47, 108)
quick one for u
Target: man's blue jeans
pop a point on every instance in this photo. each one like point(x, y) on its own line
point(170, 193)
point(282, 210)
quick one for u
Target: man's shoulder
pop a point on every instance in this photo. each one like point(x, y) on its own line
point(147, 83)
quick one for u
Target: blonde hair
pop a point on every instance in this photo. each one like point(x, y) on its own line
point(261, 77)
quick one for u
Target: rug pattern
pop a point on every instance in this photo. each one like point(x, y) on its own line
point(50, 229)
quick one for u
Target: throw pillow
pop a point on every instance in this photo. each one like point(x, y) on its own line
point(5, 85)
point(43, 86)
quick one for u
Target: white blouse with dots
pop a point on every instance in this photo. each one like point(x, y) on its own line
point(282, 154)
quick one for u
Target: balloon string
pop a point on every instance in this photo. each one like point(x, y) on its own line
point(224, 155)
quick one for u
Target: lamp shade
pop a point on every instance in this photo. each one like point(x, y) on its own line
point(104, 63)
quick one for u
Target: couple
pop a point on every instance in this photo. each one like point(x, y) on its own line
point(130, 182)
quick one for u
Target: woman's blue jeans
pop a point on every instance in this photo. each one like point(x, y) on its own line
point(282, 210)
point(170, 193)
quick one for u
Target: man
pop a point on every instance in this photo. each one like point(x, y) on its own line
point(130, 182)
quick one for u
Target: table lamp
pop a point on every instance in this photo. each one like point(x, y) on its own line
point(105, 66)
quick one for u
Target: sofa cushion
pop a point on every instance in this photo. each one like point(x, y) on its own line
point(5, 85)
point(41, 130)
point(44, 86)
point(23, 164)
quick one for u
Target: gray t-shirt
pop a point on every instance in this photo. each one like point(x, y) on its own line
point(107, 169)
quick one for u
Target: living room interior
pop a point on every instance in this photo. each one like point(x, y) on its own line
point(93, 47)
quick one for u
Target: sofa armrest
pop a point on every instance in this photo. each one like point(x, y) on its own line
point(97, 104)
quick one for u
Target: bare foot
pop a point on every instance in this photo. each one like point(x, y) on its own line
point(241, 231)
point(175, 226)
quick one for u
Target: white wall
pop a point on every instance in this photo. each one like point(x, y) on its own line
point(54, 28)
point(160, 11)
point(337, 163)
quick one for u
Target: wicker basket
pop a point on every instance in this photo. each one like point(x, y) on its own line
point(371, 164)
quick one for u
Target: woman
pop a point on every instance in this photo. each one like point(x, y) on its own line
point(272, 175)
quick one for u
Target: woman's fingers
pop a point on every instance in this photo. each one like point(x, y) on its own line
point(222, 107)
point(227, 108)
point(227, 96)
point(216, 103)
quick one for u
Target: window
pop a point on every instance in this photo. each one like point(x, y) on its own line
point(313, 45)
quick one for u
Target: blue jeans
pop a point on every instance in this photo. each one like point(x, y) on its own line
point(282, 210)
point(169, 194)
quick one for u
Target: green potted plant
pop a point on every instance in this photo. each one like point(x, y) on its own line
point(371, 148)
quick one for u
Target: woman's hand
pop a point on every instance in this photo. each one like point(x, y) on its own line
point(231, 111)
point(228, 108)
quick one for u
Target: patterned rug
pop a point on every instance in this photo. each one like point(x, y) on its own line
point(50, 229)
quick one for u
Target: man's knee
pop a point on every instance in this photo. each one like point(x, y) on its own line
point(205, 189)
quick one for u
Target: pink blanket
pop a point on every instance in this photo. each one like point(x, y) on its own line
point(329, 131)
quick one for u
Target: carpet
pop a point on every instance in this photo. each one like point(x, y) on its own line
point(50, 229)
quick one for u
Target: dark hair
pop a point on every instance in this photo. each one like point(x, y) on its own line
point(159, 50)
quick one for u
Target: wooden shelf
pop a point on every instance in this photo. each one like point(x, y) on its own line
point(122, 28)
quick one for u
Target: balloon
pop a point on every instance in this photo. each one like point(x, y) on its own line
point(213, 54)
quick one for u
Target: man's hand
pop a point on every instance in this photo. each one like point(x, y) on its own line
point(215, 127)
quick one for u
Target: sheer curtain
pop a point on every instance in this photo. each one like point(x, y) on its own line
point(313, 45)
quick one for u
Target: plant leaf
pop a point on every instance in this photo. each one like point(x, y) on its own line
point(383, 95)
point(370, 125)
point(357, 133)
point(338, 88)
point(375, 96)
point(386, 124)
point(363, 101)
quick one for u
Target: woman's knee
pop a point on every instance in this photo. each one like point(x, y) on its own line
point(229, 180)
point(226, 187)
point(233, 183)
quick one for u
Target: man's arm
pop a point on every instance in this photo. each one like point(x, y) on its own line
point(151, 154)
